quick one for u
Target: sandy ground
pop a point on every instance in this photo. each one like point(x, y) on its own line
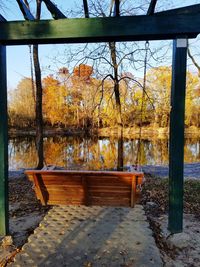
point(183, 249)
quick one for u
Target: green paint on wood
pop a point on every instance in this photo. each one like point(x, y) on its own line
point(25, 11)
point(3, 145)
point(55, 12)
point(83, 30)
point(85, 6)
point(182, 10)
point(176, 146)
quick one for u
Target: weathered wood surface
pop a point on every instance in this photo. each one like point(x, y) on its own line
point(61, 187)
point(133, 28)
point(25, 11)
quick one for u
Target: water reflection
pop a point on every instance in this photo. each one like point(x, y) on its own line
point(93, 154)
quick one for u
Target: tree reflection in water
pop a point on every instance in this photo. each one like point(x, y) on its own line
point(94, 154)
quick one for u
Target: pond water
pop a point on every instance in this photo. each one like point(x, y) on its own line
point(76, 152)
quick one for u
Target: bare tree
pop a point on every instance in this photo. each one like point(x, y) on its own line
point(38, 82)
point(111, 60)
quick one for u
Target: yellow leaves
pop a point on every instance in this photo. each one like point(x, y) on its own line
point(159, 88)
point(83, 101)
point(22, 103)
point(54, 100)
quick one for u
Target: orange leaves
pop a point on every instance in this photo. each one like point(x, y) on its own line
point(49, 82)
point(83, 71)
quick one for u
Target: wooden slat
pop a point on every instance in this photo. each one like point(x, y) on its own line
point(104, 194)
point(114, 181)
point(64, 188)
point(41, 193)
point(133, 192)
point(113, 188)
point(69, 197)
point(85, 188)
point(96, 173)
point(65, 202)
point(110, 202)
point(63, 180)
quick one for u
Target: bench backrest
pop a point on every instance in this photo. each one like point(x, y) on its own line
point(102, 188)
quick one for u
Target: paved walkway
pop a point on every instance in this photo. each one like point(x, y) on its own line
point(191, 170)
point(79, 236)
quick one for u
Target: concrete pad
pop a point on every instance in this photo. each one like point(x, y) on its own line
point(91, 236)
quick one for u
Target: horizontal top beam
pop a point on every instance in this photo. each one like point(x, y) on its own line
point(181, 10)
point(84, 30)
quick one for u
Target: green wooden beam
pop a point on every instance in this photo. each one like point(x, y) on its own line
point(2, 18)
point(25, 11)
point(117, 10)
point(193, 9)
point(176, 144)
point(134, 28)
point(85, 6)
point(3, 145)
point(54, 10)
point(152, 7)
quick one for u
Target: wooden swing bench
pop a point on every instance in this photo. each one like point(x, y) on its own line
point(101, 188)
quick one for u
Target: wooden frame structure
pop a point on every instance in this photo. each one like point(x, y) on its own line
point(177, 24)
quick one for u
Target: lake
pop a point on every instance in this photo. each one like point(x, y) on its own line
point(93, 154)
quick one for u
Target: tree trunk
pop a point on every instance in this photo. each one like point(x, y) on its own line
point(120, 153)
point(39, 116)
point(38, 80)
point(38, 98)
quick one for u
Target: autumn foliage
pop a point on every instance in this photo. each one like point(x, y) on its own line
point(79, 100)
point(83, 71)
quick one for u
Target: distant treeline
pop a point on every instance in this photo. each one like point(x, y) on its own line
point(79, 100)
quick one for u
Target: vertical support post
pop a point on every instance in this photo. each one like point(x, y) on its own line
point(3, 145)
point(176, 145)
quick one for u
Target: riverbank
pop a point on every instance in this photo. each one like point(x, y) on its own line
point(26, 213)
point(128, 132)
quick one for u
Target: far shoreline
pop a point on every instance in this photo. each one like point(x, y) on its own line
point(128, 132)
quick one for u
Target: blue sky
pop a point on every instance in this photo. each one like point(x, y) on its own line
point(18, 62)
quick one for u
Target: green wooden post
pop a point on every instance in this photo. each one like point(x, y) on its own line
point(3, 145)
point(176, 146)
